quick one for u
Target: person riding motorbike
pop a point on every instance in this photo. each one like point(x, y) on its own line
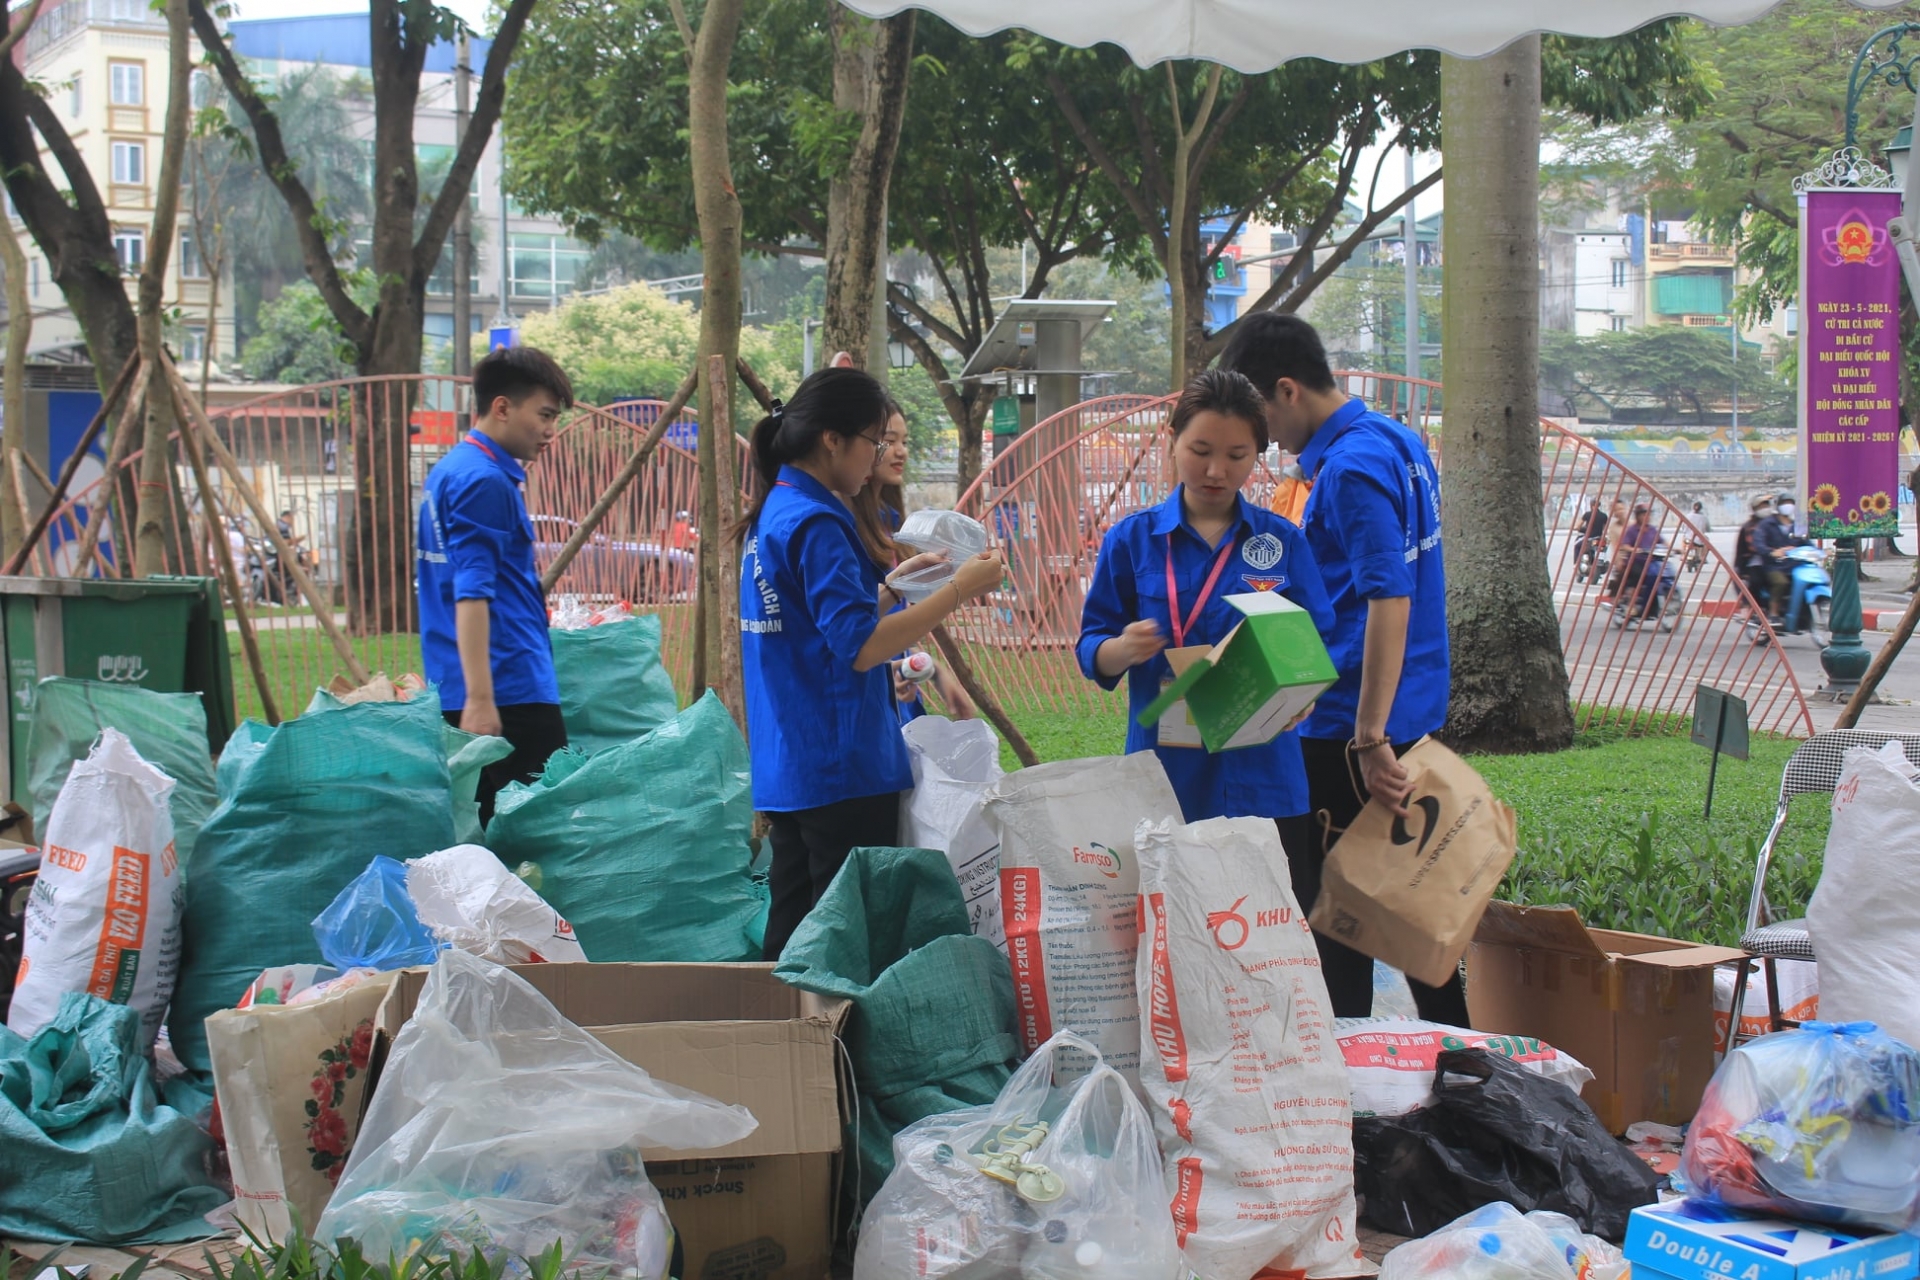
point(1747, 556)
point(1591, 528)
point(1640, 577)
point(1772, 539)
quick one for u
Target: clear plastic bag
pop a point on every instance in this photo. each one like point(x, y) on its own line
point(469, 900)
point(1494, 1242)
point(1075, 1190)
point(949, 531)
point(1817, 1123)
point(499, 1126)
point(372, 924)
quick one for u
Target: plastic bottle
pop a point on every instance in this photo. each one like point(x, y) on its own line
point(917, 668)
point(1087, 1250)
point(529, 873)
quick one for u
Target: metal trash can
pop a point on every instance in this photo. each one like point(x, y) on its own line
point(168, 634)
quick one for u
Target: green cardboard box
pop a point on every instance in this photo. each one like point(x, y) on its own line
point(1244, 690)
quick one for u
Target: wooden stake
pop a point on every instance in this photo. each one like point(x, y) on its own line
point(16, 457)
point(39, 472)
point(223, 562)
point(650, 442)
point(289, 561)
point(87, 437)
point(109, 506)
point(753, 383)
point(1882, 660)
point(957, 663)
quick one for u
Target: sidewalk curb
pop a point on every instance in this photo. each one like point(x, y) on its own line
point(1870, 619)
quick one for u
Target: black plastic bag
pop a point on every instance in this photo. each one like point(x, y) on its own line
point(1495, 1131)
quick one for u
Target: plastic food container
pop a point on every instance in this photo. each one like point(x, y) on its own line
point(949, 531)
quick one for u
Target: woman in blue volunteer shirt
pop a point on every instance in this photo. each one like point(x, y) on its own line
point(828, 759)
point(1163, 578)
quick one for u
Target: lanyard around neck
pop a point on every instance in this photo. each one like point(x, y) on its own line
point(1180, 629)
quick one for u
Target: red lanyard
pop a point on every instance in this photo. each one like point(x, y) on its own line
point(1180, 629)
point(482, 448)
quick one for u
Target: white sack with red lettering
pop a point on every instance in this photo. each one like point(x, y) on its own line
point(1245, 1081)
point(1070, 897)
point(104, 915)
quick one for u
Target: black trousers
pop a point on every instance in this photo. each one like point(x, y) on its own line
point(808, 847)
point(1332, 790)
point(536, 731)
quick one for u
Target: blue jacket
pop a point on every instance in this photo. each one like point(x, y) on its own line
point(1373, 520)
point(1130, 583)
point(820, 732)
point(476, 543)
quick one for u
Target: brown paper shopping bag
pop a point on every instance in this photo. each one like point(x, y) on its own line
point(1410, 890)
point(290, 1080)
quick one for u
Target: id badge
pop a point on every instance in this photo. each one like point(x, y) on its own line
point(1176, 727)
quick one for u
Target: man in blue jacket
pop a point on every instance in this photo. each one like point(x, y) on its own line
point(483, 616)
point(1372, 521)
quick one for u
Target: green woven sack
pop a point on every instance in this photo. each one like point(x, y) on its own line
point(643, 846)
point(304, 808)
point(932, 1026)
point(612, 686)
point(169, 730)
point(88, 1152)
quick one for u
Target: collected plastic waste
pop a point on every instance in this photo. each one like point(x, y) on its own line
point(500, 1125)
point(994, 1191)
point(949, 532)
point(372, 924)
point(1494, 1242)
point(613, 687)
point(1820, 1123)
point(467, 898)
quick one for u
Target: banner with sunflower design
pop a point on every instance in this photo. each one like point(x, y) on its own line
point(1850, 363)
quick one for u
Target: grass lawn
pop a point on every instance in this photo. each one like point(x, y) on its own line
point(299, 659)
point(1612, 827)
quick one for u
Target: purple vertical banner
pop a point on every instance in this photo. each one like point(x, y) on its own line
point(1850, 363)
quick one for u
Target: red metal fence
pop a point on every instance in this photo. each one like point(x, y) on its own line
point(1048, 497)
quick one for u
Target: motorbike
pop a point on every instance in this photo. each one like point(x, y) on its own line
point(1592, 564)
point(1654, 594)
point(1811, 593)
point(264, 580)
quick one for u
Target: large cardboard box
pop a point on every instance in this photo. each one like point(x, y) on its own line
point(1246, 689)
point(761, 1208)
point(1691, 1240)
point(1637, 1010)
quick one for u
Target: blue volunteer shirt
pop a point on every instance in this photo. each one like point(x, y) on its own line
point(1373, 520)
point(476, 543)
point(1130, 583)
point(820, 731)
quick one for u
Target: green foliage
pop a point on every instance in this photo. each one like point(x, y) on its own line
point(296, 338)
point(1676, 368)
point(633, 342)
point(299, 1258)
point(1368, 304)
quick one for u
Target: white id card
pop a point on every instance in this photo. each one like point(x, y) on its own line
point(1176, 727)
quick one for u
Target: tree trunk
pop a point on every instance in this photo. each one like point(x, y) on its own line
point(1509, 674)
point(973, 439)
point(379, 586)
point(153, 538)
point(870, 64)
point(718, 209)
point(13, 409)
point(1186, 288)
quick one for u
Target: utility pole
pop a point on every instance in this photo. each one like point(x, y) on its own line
point(462, 231)
point(1413, 291)
point(1733, 327)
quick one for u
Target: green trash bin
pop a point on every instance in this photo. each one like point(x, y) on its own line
point(167, 634)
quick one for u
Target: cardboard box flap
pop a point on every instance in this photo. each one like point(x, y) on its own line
point(1189, 663)
point(612, 995)
point(1700, 957)
point(1506, 924)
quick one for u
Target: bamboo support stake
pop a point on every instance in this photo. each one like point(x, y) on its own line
point(727, 615)
point(988, 704)
point(110, 504)
point(650, 442)
point(753, 383)
point(289, 562)
point(39, 472)
point(228, 571)
point(20, 498)
point(87, 437)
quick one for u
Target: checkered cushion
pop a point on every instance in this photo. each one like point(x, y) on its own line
point(1783, 940)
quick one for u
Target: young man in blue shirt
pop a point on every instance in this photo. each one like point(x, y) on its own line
point(1373, 523)
point(483, 616)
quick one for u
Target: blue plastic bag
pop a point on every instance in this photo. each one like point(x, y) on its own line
point(373, 923)
point(1821, 1123)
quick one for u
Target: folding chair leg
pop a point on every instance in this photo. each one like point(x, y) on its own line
point(1739, 1001)
point(1773, 994)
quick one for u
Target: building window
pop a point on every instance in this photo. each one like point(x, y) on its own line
point(1619, 273)
point(544, 266)
point(200, 89)
point(1619, 324)
point(73, 96)
point(130, 162)
point(128, 82)
point(193, 345)
point(191, 268)
point(130, 246)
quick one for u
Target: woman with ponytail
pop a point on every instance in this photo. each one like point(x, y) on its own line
point(816, 638)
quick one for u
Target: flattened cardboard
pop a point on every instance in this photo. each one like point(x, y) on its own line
point(1636, 1009)
point(760, 1208)
point(1261, 675)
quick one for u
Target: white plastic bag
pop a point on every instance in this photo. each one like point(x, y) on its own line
point(104, 915)
point(1237, 1061)
point(1494, 1242)
point(1091, 1205)
point(1799, 983)
point(1069, 894)
point(931, 529)
point(1391, 1061)
point(954, 762)
point(471, 901)
point(499, 1125)
point(1865, 913)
